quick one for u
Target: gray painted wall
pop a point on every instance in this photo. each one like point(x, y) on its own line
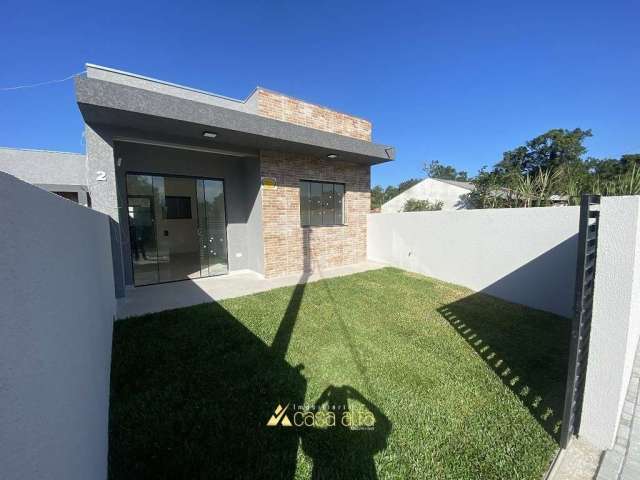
point(524, 255)
point(615, 327)
point(44, 167)
point(242, 194)
point(166, 88)
point(255, 237)
point(56, 319)
point(101, 181)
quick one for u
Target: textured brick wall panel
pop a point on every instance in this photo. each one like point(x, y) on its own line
point(290, 248)
point(280, 107)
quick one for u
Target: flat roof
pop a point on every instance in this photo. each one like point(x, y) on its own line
point(100, 72)
point(457, 183)
point(247, 104)
point(123, 100)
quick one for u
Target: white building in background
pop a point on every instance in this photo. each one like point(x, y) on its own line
point(450, 192)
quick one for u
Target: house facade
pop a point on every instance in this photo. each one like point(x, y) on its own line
point(451, 193)
point(197, 184)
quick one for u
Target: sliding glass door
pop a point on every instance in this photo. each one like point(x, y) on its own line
point(177, 228)
point(212, 227)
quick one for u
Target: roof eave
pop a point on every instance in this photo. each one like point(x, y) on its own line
point(122, 106)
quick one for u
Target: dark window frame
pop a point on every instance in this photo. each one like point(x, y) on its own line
point(329, 216)
point(73, 196)
point(182, 207)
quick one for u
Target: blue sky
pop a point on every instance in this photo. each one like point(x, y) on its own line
point(455, 81)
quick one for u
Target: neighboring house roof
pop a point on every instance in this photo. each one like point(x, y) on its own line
point(450, 192)
point(121, 100)
point(468, 185)
point(44, 167)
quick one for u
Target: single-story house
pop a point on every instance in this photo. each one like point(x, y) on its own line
point(197, 184)
point(450, 192)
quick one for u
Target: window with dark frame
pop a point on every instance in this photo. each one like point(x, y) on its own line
point(321, 203)
point(177, 207)
point(73, 196)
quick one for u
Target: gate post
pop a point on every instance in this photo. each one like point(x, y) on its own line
point(581, 323)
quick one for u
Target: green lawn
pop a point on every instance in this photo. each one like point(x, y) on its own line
point(460, 385)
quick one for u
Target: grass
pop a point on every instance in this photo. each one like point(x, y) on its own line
point(461, 385)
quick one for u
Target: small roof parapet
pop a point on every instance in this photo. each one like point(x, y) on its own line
point(168, 117)
point(262, 101)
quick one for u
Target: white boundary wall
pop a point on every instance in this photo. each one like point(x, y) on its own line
point(528, 256)
point(525, 255)
point(56, 317)
point(615, 327)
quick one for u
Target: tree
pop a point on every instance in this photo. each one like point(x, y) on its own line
point(490, 190)
point(390, 192)
point(605, 168)
point(407, 184)
point(462, 176)
point(377, 197)
point(629, 161)
point(550, 150)
point(413, 205)
point(553, 164)
point(381, 195)
point(435, 169)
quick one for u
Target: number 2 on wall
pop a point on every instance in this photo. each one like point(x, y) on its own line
point(101, 176)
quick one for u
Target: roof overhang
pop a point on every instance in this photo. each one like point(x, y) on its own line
point(124, 107)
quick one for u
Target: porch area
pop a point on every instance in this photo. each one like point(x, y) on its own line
point(167, 296)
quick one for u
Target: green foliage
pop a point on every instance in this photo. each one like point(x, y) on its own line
point(407, 184)
point(377, 197)
point(435, 169)
point(627, 183)
point(547, 151)
point(413, 205)
point(550, 169)
point(381, 195)
point(490, 190)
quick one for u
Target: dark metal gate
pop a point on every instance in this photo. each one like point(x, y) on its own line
point(581, 324)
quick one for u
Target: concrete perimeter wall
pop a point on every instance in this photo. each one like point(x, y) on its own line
point(56, 318)
point(615, 327)
point(525, 255)
point(528, 256)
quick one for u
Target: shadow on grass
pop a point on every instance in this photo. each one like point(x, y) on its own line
point(341, 451)
point(527, 349)
point(192, 391)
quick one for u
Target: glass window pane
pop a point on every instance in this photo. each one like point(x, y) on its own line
point(139, 185)
point(304, 203)
point(177, 231)
point(328, 216)
point(162, 233)
point(142, 234)
point(202, 229)
point(338, 191)
point(178, 207)
point(216, 226)
point(315, 217)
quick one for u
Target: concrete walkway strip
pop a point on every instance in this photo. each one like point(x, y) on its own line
point(578, 462)
point(622, 462)
point(167, 296)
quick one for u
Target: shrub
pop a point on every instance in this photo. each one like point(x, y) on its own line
point(413, 205)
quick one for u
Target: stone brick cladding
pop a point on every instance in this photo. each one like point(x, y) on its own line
point(289, 247)
point(280, 107)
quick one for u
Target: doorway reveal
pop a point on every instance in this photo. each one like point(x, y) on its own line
point(177, 227)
